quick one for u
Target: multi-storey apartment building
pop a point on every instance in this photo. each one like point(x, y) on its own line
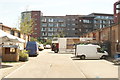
point(117, 12)
point(69, 25)
point(36, 17)
point(71, 22)
point(102, 20)
point(85, 24)
point(52, 26)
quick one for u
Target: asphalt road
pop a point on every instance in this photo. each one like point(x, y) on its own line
point(52, 65)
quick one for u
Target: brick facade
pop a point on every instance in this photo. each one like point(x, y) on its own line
point(107, 35)
point(16, 32)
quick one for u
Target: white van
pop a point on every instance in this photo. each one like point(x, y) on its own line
point(90, 52)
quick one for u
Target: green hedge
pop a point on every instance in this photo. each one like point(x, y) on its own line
point(23, 56)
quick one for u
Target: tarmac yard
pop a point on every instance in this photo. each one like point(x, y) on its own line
point(55, 65)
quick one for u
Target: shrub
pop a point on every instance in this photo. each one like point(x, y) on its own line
point(23, 56)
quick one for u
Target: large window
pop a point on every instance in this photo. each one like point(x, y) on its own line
point(55, 29)
point(44, 34)
point(86, 21)
point(56, 24)
point(35, 28)
point(44, 24)
point(50, 20)
point(44, 19)
point(43, 29)
point(104, 21)
point(12, 32)
point(19, 34)
point(62, 25)
point(10, 50)
point(50, 29)
point(50, 34)
point(50, 24)
point(61, 20)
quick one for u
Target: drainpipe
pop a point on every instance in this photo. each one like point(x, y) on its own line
point(118, 37)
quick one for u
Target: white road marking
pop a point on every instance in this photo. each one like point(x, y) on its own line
point(15, 70)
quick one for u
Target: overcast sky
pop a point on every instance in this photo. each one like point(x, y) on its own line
point(10, 10)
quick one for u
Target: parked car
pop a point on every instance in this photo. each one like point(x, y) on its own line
point(47, 47)
point(32, 48)
point(41, 47)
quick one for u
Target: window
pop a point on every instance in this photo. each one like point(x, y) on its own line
point(50, 29)
point(97, 21)
point(43, 29)
point(36, 19)
point(56, 24)
point(73, 19)
point(101, 50)
point(62, 25)
point(79, 29)
point(55, 20)
point(97, 16)
point(68, 29)
point(100, 26)
point(68, 24)
point(60, 20)
point(73, 28)
point(35, 24)
point(44, 24)
point(50, 34)
point(103, 17)
point(104, 21)
point(86, 21)
point(74, 24)
point(12, 32)
point(104, 26)
point(112, 21)
point(35, 28)
point(35, 33)
point(36, 14)
point(44, 20)
point(50, 24)
point(80, 20)
point(100, 21)
point(10, 50)
point(87, 30)
point(68, 19)
point(19, 34)
point(7, 50)
point(50, 20)
point(44, 34)
point(55, 29)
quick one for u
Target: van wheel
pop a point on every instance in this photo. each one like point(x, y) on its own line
point(103, 57)
point(56, 51)
point(82, 57)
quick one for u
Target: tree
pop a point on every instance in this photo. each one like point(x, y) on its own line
point(33, 39)
point(61, 34)
point(26, 25)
